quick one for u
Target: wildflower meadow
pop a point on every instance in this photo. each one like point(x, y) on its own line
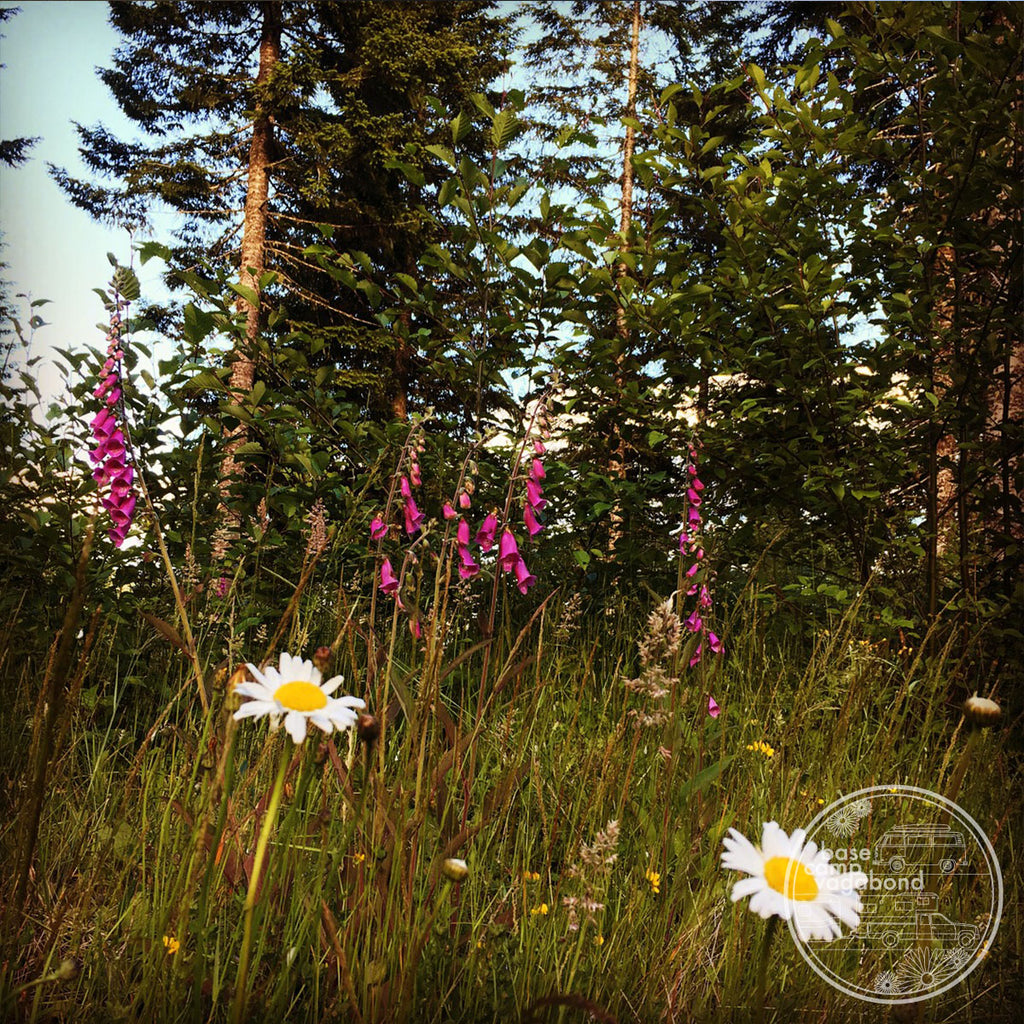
point(560, 601)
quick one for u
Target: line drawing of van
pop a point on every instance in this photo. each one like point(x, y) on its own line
point(923, 925)
point(914, 845)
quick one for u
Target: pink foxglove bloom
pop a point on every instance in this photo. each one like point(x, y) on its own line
point(538, 446)
point(695, 483)
point(713, 709)
point(524, 577)
point(403, 486)
point(533, 495)
point(488, 528)
point(704, 601)
point(537, 470)
point(378, 528)
point(692, 571)
point(695, 659)
point(414, 474)
point(684, 539)
point(388, 579)
point(465, 501)
point(694, 623)
point(508, 551)
point(469, 567)
point(693, 496)
point(532, 526)
point(415, 628)
point(447, 511)
point(413, 516)
point(715, 643)
point(693, 516)
point(462, 533)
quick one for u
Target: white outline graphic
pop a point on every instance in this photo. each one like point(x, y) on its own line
point(910, 939)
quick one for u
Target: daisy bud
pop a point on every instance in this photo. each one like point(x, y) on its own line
point(367, 729)
point(981, 712)
point(455, 869)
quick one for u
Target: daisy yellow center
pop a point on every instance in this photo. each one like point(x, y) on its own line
point(791, 878)
point(300, 695)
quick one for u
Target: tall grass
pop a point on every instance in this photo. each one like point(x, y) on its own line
point(147, 836)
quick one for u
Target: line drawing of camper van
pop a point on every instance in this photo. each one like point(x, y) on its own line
point(915, 845)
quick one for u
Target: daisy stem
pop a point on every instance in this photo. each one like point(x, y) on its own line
point(762, 967)
point(238, 1006)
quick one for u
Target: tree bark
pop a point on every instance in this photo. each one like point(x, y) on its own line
point(254, 235)
point(617, 463)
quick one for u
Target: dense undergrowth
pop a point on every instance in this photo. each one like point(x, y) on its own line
point(590, 815)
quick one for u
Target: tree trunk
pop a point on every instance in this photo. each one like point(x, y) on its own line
point(254, 234)
point(617, 463)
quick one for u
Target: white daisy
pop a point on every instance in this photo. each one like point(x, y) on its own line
point(294, 691)
point(794, 881)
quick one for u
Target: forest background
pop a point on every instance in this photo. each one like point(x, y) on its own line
point(556, 263)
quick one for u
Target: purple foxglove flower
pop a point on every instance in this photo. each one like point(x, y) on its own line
point(113, 396)
point(414, 473)
point(447, 511)
point(532, 526)
point(537, 470)
point(524, 577)
point(695, 482)
point(465, 501)
point(705, 598)
point(388, 580)
point(378, 528)
point(693, 495)
point(403, 486)
point(485, 535)
point(538, 447)
point(692, 571)
point(693, 516)
point(413, 516)
point(533, 495)
point(695, 658)
point(684, 538)
point(694, 623)
point(715, 643)
point(469, 567)
point(415, 628)
point(462, 533)
point(508, 551)
point(713, 709)
point(699, 554)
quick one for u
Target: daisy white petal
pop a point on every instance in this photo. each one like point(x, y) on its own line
point(295, 723)
point(253, 708)
point(332, 684)
point(322, 721)
point(257, 690)
point(351, 702)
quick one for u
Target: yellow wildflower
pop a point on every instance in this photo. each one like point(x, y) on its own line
point(655, 879)
point(172, 944)
point(765, 748)
point(542, 909)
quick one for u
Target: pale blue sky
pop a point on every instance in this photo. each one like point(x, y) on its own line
point(54, 251)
